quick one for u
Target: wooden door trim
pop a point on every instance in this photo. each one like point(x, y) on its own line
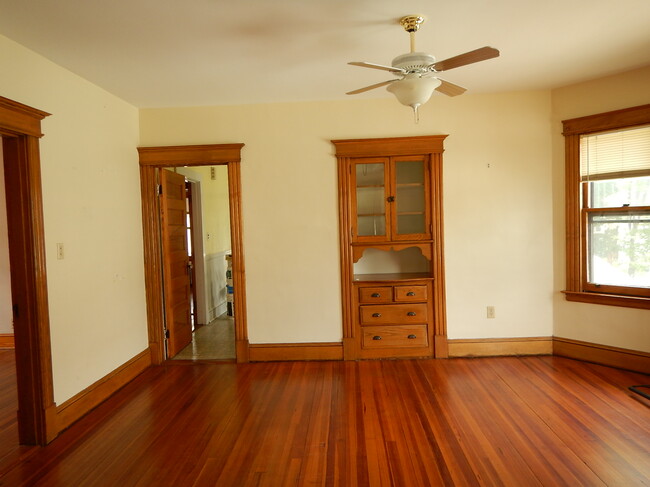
point(153, 159)
point(20, 126)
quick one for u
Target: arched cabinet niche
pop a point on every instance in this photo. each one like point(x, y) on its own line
point(392, 266)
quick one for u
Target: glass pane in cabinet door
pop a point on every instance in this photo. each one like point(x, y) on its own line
point(371, 217)
point(410, 197)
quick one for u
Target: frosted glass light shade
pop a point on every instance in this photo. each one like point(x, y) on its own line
point(413, 91)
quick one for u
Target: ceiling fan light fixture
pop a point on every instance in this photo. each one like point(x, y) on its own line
point(413, 90)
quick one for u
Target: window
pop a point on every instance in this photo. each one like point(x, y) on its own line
point(608, 208)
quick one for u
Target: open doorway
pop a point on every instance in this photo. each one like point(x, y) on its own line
point(154, 160)
point(20, 130)
point(206, 264)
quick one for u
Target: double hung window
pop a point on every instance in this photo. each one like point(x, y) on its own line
point(608, 208)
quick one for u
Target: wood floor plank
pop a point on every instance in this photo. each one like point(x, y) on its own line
point(511, 421)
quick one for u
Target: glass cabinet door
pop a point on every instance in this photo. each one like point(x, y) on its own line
point(410, 197)
point(370, 194)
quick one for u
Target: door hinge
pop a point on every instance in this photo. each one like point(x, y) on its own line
point(15, 310)
point(160, 189)
point(167, 334)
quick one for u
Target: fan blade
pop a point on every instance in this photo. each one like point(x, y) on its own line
point(376, 66)
point(475, 56)
point(450, 89)
point(371, 87)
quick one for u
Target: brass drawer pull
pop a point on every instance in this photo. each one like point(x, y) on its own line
point(410, 313)
point(410, 293)
point(376, 337)
point(375, 295)
point(411, 337)
point(376, 315)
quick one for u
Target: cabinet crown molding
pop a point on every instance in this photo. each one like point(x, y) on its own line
point(393, 146)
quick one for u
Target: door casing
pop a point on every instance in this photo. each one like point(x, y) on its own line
point(153, 159)
point(20, 128)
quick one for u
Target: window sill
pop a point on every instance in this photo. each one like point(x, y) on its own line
point(608, 299)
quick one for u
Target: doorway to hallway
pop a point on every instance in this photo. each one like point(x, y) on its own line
point(197, 263)
point(153, 160)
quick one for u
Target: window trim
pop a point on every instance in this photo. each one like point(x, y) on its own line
point(575, 251)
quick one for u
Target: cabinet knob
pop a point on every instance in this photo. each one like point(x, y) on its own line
point(410, 313)
point(376, 337)
point(410, 293)
point(376, 315)
point(390, 199)
point(411, 337)
point(375, 295)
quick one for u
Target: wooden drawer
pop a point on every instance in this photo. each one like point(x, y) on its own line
point(382, 294)
point(400, 336)
point(410, 293)
point(393, 313)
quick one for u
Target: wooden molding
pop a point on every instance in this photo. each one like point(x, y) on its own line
point(607, 121)
point(20, 127)
point(7, 341)
point(391, 146)
point(17, 119)
point(151, 160)
point(620, 358)
point(608, 299)
point(282, 352)
point(88, 399)
point(494, 347)
point(199, 155)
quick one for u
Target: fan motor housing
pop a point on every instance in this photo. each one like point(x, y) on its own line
point(414, 62)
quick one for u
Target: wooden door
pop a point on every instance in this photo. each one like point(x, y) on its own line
point(176, 277)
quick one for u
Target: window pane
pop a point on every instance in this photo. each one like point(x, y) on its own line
point(619, 249)
point(613, 193)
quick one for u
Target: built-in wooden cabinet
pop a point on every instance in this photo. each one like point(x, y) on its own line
point(392, 272)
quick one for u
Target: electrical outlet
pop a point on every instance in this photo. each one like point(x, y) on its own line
point(59, 251)
point(491, 313)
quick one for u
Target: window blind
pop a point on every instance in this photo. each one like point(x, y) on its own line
point(617, 154)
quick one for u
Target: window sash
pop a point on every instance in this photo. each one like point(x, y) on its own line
point(588, 282)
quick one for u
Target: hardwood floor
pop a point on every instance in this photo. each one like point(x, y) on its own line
point(10, 450)
point(533, 421)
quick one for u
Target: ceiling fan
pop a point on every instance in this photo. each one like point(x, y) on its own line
point(417, 70)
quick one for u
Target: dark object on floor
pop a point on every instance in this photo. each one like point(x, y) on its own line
point(641, 393)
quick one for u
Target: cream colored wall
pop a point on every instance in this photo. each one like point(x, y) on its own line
point(607, 325)
point(495, 253)
point(6, 316)
point(216, 213)
point(91, 198)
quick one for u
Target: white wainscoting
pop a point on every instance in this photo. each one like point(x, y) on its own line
point(215, 284)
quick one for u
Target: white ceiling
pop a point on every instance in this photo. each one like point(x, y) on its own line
point(158, 53)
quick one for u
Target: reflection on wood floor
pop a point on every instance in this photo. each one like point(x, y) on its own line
point(214, 341)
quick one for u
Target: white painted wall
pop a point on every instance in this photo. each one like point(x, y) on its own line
point(6, 315)
point(607, 325)
point(495, 252)
point(91, 198)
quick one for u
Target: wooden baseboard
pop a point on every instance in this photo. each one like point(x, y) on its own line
point(7, 341)
point(494, 347)
point(88, 399)
point(620, 358)
point(295, 351)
